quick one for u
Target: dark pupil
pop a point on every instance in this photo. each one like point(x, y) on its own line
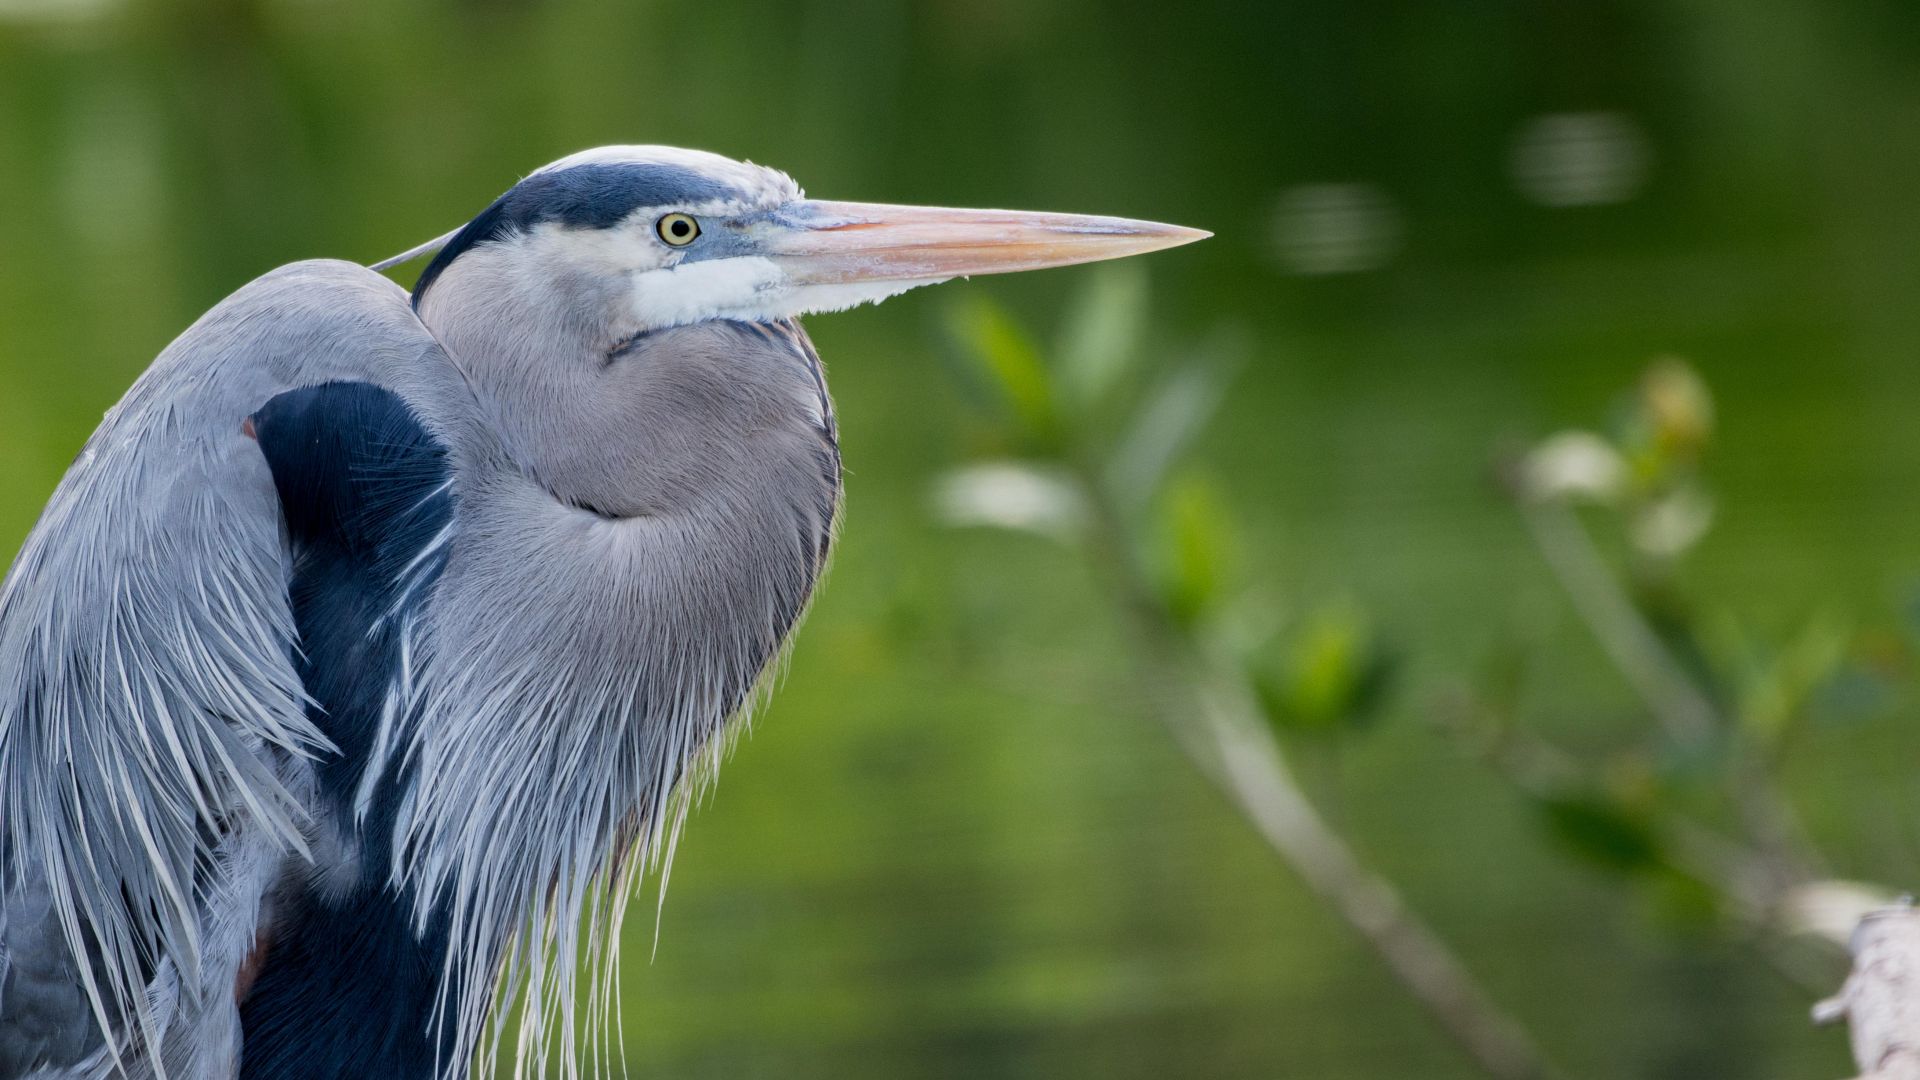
point(680, 229)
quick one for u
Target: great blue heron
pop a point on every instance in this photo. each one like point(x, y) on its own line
point(374, 639)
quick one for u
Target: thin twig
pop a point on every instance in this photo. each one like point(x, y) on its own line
point(1686, 713)
point(1740, 872)
point(1258, 780)
point(1216, 721)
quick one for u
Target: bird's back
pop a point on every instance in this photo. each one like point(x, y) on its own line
point(157, 745)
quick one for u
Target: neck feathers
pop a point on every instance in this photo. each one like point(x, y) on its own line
point(609, 602)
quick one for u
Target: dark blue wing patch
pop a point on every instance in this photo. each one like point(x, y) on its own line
point(368, 499)
point(347, 987)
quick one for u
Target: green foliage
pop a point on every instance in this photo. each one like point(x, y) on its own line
point(1602, 830)
point(1331, 673)
point(1684, 807)
point(1778, 684)
point(1195, 552)
point(1190, 543)
point(1010, 363)
point(1752, 690)
point(1328, 673)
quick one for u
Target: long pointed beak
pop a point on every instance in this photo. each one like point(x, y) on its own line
point(828, 243)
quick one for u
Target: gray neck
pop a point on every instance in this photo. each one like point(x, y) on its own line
point(619, 583)
point(625, 423)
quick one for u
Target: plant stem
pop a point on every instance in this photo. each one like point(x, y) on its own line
point(1256, 778)
point(1686, 713)
point(1217, 722)
point(1682, 708)
point(1741, 872)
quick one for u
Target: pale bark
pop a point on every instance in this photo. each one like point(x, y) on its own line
point(1881, 998)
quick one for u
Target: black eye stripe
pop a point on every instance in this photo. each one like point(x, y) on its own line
point(597, 195)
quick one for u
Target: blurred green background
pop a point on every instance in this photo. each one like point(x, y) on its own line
point(955, 845)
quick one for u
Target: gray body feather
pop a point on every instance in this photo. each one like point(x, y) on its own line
point(635, 535)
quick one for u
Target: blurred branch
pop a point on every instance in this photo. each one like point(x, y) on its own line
point(1739, 872)
point(1685, 712)
point(1164, 544)
point(1217, 720)
point(1098, 499)
point(1772, 875)
point(1784, 855)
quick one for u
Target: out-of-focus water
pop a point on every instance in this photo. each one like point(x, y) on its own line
point(954, 845)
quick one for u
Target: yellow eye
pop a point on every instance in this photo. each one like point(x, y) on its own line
point(678, 230)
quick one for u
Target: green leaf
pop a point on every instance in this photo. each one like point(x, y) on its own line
point(1197, 547)
point(1602, 831)
point(1103, 330)
point(1333, 676)
point(1011, 362)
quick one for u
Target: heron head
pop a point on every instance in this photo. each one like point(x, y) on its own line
point(596, 310)
point(643, 238)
